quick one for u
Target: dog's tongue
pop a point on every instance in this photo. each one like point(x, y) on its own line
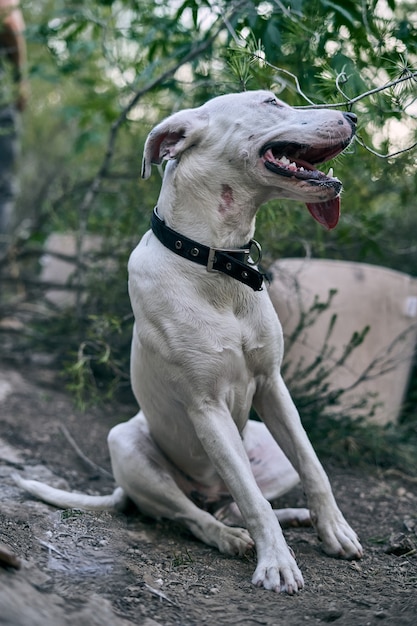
point(326, 213)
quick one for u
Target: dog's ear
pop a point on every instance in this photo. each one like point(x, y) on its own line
point(172, 136)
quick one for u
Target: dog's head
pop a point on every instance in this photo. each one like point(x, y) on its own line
point(258, 141)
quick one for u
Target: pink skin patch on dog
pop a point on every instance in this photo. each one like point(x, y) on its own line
point(227, 199)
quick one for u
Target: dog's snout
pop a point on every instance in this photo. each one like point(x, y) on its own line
point(351, 118)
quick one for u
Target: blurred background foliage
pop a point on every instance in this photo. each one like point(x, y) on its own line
point(102, 73)
point(88, 60)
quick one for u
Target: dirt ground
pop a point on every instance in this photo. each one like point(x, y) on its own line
point(118, 569)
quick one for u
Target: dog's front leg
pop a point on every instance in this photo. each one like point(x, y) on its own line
point(276, 408)
point(276, 569)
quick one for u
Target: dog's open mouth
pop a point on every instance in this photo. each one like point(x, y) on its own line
point(296, 160)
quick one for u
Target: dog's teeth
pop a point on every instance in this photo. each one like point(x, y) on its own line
point(293, 164)
point(330, 173)
point(301, 169)
point(284, 160)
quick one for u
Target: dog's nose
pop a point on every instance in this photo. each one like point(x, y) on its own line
point(351, 117)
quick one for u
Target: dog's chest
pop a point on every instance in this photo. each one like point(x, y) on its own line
point(260, 335)
point(260, 346)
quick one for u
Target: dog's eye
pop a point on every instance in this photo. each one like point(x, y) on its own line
point(273, 101)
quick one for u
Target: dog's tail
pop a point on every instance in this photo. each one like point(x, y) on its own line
point(69, 500)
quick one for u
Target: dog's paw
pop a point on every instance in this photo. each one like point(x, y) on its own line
point(283, 576)
point(338, 538)
point(234, 541)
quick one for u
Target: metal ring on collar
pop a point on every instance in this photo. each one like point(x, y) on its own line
point(258, 249)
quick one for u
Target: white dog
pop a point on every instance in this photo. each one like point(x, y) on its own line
point(207, 344)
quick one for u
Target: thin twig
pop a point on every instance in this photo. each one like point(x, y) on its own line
point(371, 92)
point(81, 454)
point(295, 79)
point(342, 78)
point(159, 594)
point(384, 156)
point(51, 548)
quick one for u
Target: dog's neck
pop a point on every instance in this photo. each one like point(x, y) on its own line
point(238, 263)
point(209, 212)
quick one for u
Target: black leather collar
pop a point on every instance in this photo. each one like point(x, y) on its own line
point(233, 262)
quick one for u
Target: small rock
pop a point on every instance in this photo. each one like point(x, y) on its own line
point(329, 616)
point(8, 558)
point(410, 524)
point(399, 544)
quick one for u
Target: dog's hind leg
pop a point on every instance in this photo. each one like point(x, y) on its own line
point(145, 474)
point(274, 475)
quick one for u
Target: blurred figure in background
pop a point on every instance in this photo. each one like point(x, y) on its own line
point(13, 98)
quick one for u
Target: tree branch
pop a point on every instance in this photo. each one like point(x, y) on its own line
point(96, 183)
point(379, 154)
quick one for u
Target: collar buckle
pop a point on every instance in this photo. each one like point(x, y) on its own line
point(211, 260)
